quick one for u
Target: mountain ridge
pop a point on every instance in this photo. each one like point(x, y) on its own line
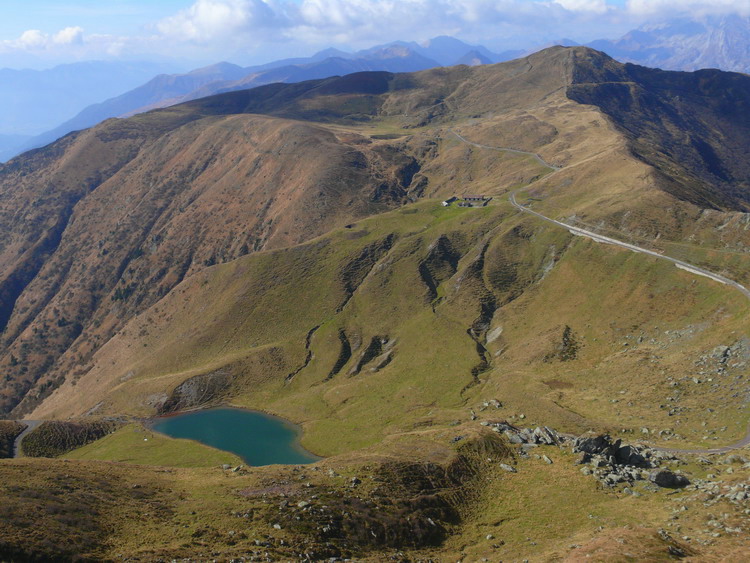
point(296, 249)
point(222, 141)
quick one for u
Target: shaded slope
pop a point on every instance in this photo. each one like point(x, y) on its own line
point(692, 127)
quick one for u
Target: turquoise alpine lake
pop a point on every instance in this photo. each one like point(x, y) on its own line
point(258, 438)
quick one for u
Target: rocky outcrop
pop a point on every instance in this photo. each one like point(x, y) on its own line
point(610, 461)
point(199, 391)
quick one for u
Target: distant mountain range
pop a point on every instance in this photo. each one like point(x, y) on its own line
point(716, 42)
point(169, 89)
point(34, 101)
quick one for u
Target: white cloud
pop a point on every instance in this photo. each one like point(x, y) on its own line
point(593, 6)
point(34, 40)
point(31, 39)
point(69, 36)
point(688, 7)
point(208, 20)
point(357, 21)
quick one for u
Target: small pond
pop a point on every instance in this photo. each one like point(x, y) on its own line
point(258, 438)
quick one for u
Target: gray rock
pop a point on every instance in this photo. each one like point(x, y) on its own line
point(667, 479)
point(513, 437)
point(508, 468)
point(601, 445)
point(527, 435)
point(545, 435)
point(614, 478)
point(630, 455)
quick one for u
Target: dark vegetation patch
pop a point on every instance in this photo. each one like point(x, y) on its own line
point(567, 349)
point(9, 431)
point(308, 353)
point(373, 350)
point(387, 136)
point(411, 506)
point(53, 515)
point(54, 438)
point(345, 353)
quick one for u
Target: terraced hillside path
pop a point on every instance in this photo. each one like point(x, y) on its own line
point(697, 270)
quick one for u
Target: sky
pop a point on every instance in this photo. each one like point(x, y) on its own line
point(42, 33)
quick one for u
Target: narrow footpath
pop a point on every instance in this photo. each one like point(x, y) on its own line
point(30, 425)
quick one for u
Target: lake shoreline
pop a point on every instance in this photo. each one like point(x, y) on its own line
point(273, 436)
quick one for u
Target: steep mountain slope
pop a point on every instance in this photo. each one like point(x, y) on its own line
point(128, 210)
point(169, 193)
point(698, 122)
point(286, 249)
point(414, 316)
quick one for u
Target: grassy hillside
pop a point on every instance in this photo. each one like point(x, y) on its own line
point(135, 444)
point(286, 249)
point(460, 503)
point(413, 318)
point(171, 192)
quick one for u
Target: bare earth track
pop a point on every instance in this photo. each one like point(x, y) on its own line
point(745, 441)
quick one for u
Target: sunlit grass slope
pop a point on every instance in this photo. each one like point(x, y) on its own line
point(411, 319)
point(136, 444)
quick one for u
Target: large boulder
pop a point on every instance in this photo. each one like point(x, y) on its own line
point(630, 455)
point(601, 445)
point(668, 479)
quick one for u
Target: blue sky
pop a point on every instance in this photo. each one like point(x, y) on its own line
point(45, 32)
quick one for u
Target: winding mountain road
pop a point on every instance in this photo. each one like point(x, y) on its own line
point(745, 441)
